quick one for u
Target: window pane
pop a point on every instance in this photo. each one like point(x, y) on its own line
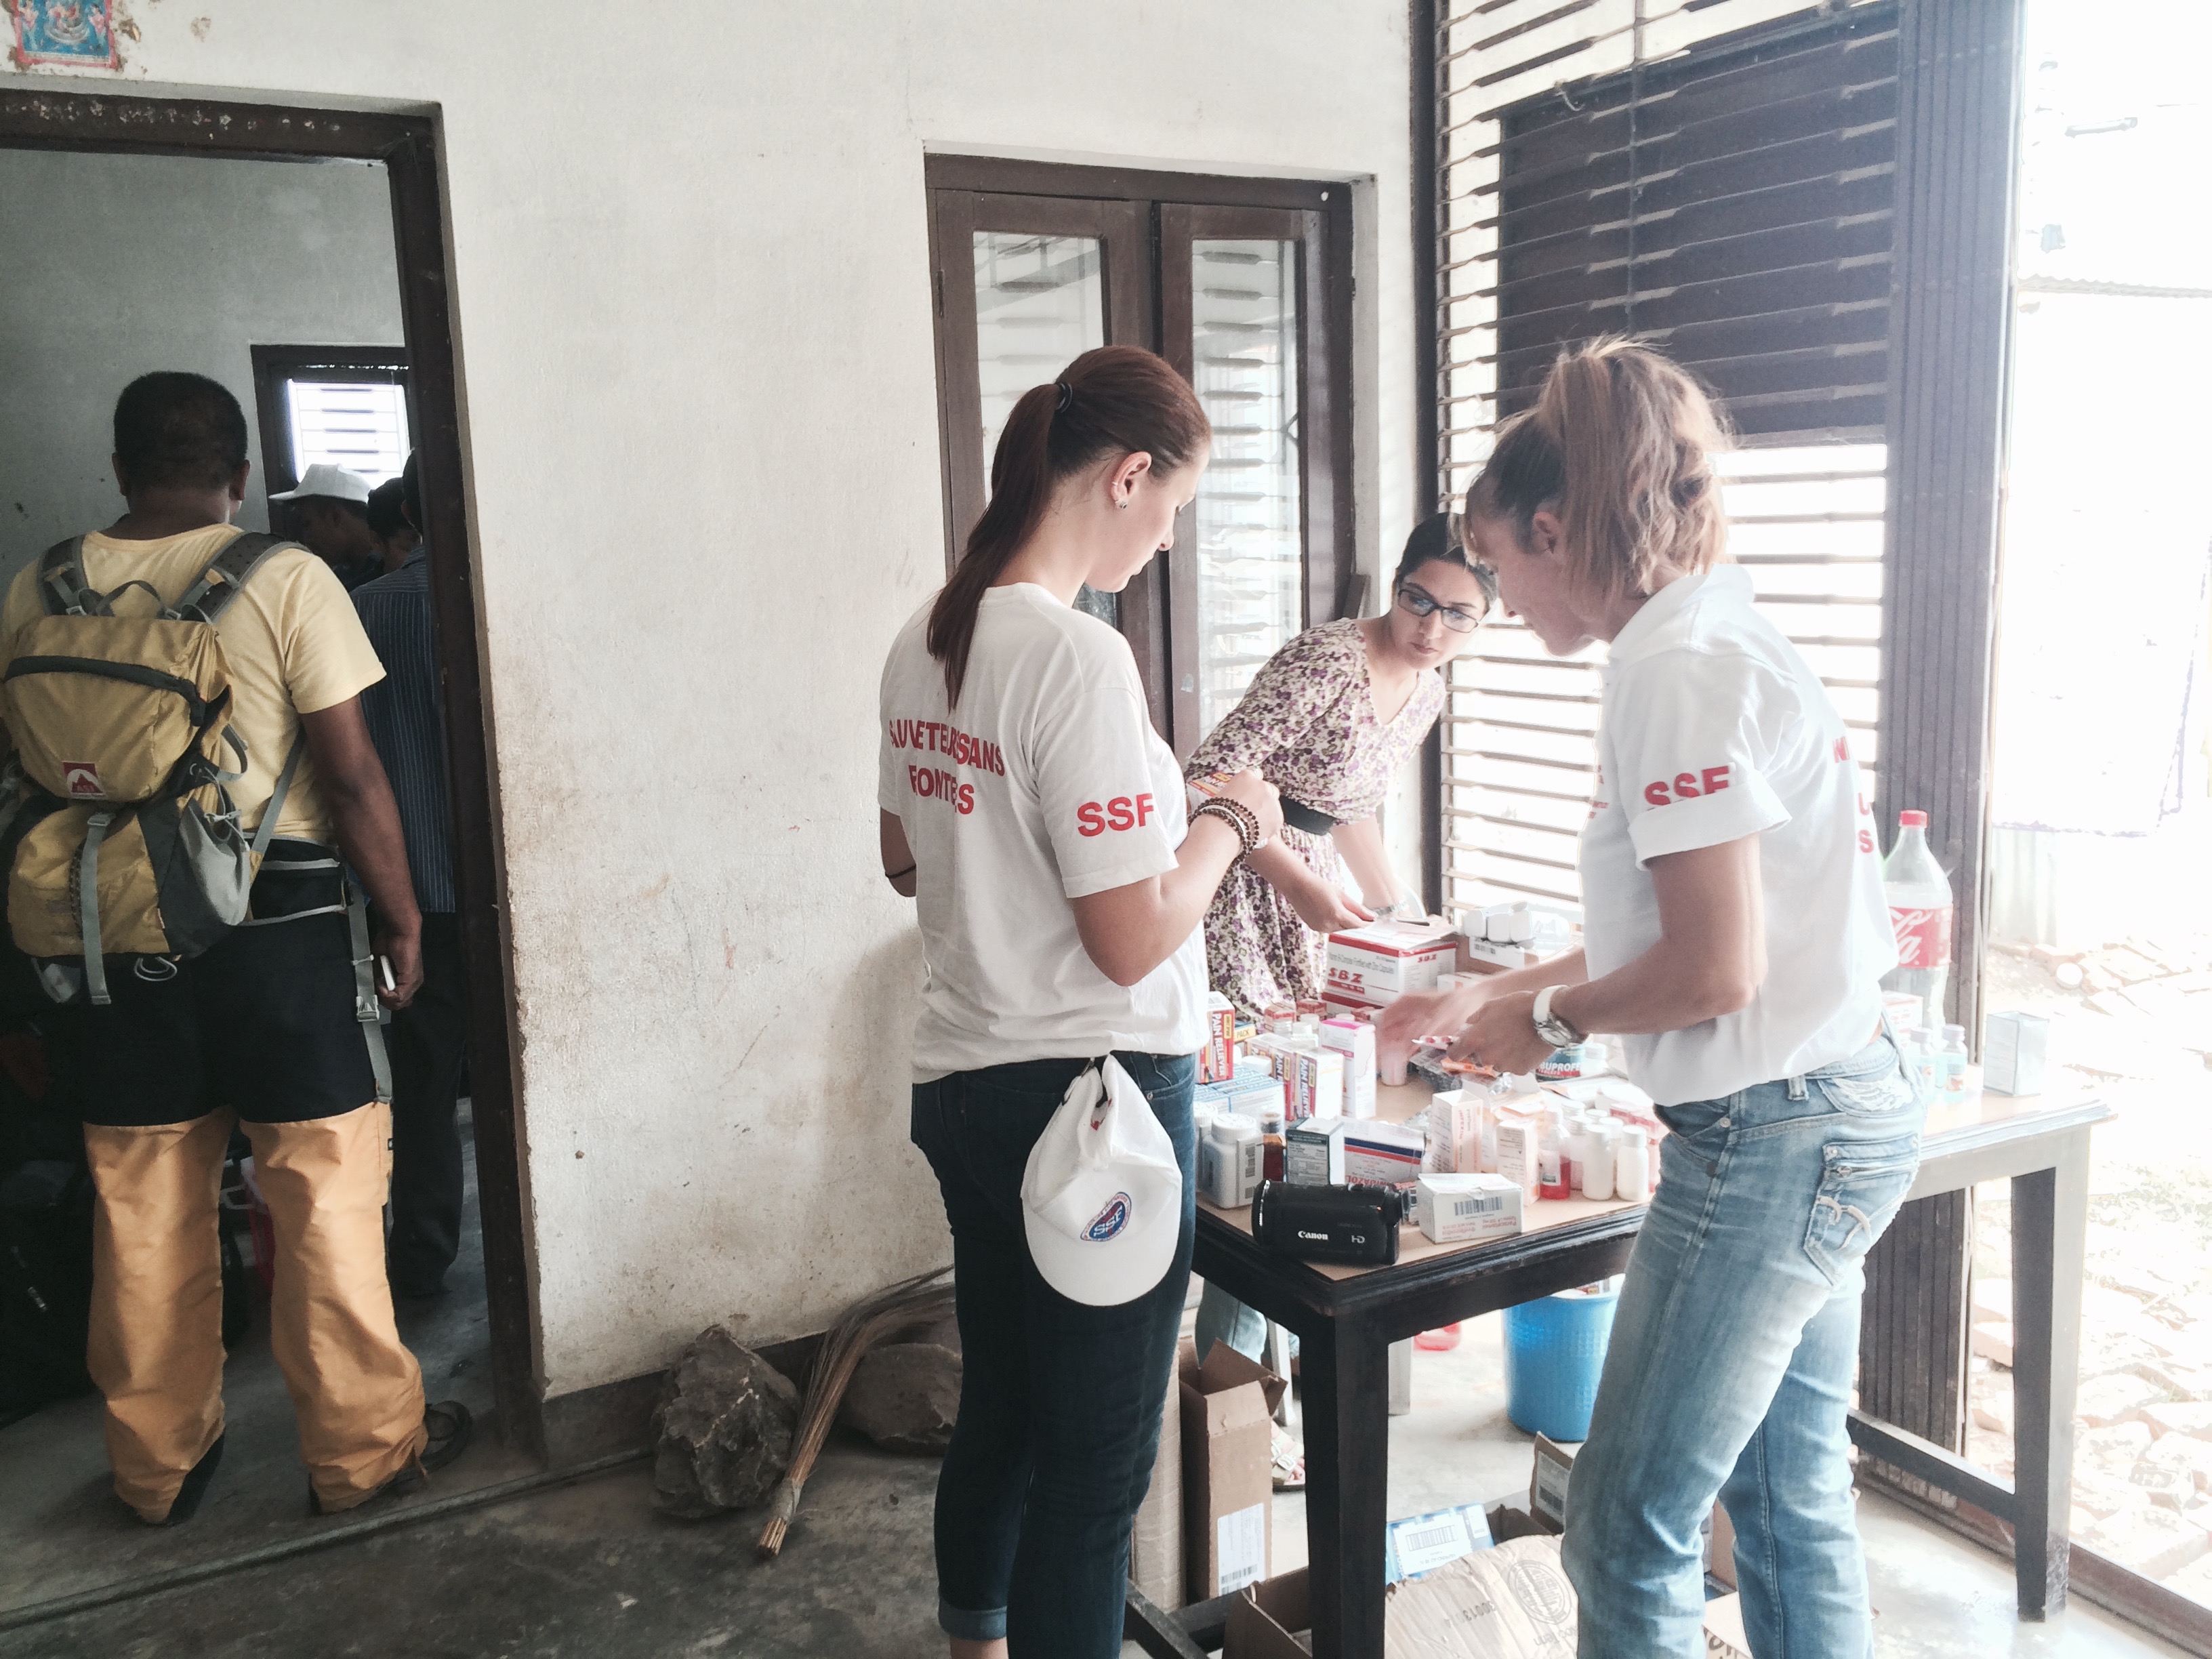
point(1251, 562)
point(1040, 304)
point(360, 425)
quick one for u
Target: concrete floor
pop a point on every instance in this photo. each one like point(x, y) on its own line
point(590, 1569)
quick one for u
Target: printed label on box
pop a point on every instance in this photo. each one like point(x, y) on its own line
point(1239, 1545)
point(1430, 1541)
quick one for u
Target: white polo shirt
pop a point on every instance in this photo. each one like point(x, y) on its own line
point(1714, 728)
point(1047, 783)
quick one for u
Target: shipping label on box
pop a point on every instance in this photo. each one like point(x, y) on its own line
point(1381, 962)
point(1460, 1209)
point(1422, 1543)
point(1547, 1482)
point(1228, 1484)
point(1385, 1153)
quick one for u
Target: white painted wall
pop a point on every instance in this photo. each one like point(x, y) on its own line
point(117, 265)
point(689, 263)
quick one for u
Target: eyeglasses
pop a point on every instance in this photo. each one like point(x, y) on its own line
point(1423, 603)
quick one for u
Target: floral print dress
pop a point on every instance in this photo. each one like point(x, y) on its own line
point(1308, 726)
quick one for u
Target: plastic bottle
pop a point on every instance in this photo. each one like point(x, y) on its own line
point(1919, 895)
point(1954, 1065)
point(1551, 1165)
point(1271, 1144)
point(1597, 1169)
point(1920, 1054)
point(1632, 1166)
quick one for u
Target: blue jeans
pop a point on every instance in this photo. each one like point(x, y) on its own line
point(1059, 1403)
point(1733, 1357)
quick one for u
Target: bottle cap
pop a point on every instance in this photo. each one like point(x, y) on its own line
point(1954, 1034)
point(1912, 819)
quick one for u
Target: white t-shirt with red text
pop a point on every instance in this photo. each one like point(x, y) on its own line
point(1046, 784)
point(1714, 728)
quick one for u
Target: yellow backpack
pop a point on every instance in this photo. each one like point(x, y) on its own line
point(127, 841)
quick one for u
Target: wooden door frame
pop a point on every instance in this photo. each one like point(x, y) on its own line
point(1148, 609)
point(57, 117)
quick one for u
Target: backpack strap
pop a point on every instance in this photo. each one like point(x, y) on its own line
point(217, 585)
point(87, 877)
point(61, 577)
point(267, 827)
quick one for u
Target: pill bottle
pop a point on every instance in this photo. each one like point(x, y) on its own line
point(1952, 1062)
point(1271, 1144)
point(1632, 1165)
point(1597, 1169)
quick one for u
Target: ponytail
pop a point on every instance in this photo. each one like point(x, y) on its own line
point(1620, 447)
point(1116, 400)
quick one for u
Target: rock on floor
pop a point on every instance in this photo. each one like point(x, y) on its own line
point(725, 1426)
point(905, 1396)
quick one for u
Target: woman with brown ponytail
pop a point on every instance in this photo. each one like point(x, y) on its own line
point(1736, 934)
point(1027, 805)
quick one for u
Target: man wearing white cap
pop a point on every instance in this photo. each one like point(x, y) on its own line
point(330, 516)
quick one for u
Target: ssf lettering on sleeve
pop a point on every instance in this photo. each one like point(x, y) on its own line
point(1097, 783)
point(1691, 742)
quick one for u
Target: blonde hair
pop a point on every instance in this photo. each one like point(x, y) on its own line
point(1620, 447)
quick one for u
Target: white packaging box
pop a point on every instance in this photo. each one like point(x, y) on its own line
point(1313, 1084)
point(1236, 1164)
point(1250, 1097)
point(1387, 1153)
point(1455, 1135)
point(1313, 1152)
point(1382, 962)
point(1520, 1145)
point(1460, 1209)
point(2014, 1047)
point(1355, 1040)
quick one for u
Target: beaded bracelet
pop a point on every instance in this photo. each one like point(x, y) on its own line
point(1237, 816)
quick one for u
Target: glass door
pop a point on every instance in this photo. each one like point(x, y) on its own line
point(1239, 292)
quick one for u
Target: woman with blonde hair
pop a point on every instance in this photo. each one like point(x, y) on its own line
point(1736, 935)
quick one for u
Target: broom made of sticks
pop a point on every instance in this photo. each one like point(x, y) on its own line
point(923, 1299)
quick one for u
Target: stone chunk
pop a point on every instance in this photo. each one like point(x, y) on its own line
point(2190, 1417)
point(905, 1396)
point(2155, 1541)
point(2112, 1398)
point(724, 1425)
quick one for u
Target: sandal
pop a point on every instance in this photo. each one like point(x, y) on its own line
point(1289, 1459)
point(449, 1426)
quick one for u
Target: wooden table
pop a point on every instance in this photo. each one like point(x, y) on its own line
point(1346, 1318)
point(2042, 1146)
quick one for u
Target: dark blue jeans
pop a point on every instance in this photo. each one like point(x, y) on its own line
point(1059, 1403)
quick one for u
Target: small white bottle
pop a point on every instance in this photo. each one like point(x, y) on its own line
point(1597, 1167)
point(1921, 1060)
point(1632, 1166)
point(1952, 1062)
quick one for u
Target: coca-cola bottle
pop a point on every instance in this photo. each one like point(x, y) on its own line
point(1919, 896)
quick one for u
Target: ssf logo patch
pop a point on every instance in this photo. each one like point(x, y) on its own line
point(1109, 1221)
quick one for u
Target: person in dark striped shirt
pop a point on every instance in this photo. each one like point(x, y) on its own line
point(405, 713)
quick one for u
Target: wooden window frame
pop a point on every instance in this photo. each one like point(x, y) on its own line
point(1137, 214)
point(275, 365)
point(49, 117)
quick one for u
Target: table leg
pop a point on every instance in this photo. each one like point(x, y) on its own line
point(2050, 1217)
point(1347, 1422)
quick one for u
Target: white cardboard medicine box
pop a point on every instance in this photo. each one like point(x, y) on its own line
point(1381, 962)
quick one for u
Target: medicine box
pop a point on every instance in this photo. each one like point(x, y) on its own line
point(1313, 1152)
point(2013, 1046)
point(1380, 964)
point(1520, 1143)
point(1455, 1134)
point(1355, 1040)
point(1313, 1084)
point(1387, 1153)
point(1460, 1209)
point(1216, 1060)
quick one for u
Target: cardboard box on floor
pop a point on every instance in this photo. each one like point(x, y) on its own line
point(1228, 1487)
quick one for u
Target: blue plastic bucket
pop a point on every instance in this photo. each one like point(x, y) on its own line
point(1554, 1354)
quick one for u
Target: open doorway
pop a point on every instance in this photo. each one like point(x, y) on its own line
point(148, 235)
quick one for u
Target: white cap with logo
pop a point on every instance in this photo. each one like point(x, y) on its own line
point(1102, 1197)
point(324, 479)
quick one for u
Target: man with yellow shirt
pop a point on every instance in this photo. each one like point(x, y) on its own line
point(260, 1030)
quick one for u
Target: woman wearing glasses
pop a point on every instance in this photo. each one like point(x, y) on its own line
point(1328, 721)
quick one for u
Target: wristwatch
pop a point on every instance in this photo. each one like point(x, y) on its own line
point(1550, 1026)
